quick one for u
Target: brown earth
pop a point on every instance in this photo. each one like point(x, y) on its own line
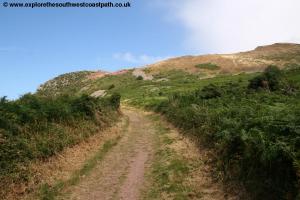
point(97, 74)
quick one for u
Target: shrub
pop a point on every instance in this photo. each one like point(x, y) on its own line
point(270, 79)
point(112, 86)
point(139, 78)
point(209, 92)
point(209, 66)
point(115, 100)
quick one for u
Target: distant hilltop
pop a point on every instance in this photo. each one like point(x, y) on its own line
point(282, 55)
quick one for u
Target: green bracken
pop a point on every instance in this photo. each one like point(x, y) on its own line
point(256, 133)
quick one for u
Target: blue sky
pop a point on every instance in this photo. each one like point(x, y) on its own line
point(39, 44)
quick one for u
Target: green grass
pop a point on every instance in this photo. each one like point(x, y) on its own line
point(168, 170)
point(148, 93)
point(209, 66)
point(143, 93)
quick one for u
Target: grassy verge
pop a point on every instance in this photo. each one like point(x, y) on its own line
point(169, 169)
point(48, 192)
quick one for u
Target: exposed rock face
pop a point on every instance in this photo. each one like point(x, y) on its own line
point(123, 71)
point(140, 72)
point(99, 93)
point(162, 80)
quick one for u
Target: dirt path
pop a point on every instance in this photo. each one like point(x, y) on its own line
point(120, 175)
point(150, 161)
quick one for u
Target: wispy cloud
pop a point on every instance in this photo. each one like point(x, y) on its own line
point(137, 59)
point(235, 25)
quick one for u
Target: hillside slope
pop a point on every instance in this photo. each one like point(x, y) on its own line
point(280, 54)
point(283, 55)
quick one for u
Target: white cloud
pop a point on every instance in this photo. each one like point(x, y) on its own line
point(235, 25)
point(137, 59)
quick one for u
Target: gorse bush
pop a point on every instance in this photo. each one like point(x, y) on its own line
point(115, 100)
point(256, 134)
point(35, 127)
point(270, 79)
point(112, 86)
point(209, 92)
point(139, 78)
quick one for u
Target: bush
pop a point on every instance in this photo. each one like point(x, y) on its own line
point(115, 100)
point(139, 78)
point(209, 92)
point(209, 66)
point(270, 79)
point(112, 86)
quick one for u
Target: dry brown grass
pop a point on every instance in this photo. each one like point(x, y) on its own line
point(61, 166)
point(250, 61)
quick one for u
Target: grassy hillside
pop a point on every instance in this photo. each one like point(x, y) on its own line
point(35, 128)
point(176, 74)
point(64, 84)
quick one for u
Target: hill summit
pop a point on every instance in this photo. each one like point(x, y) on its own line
point(280, 54)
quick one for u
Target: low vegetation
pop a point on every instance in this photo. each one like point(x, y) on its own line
point(169, 170)
point(209, 66)
point(64, 84)
point(35, 128)
point(254, 129)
